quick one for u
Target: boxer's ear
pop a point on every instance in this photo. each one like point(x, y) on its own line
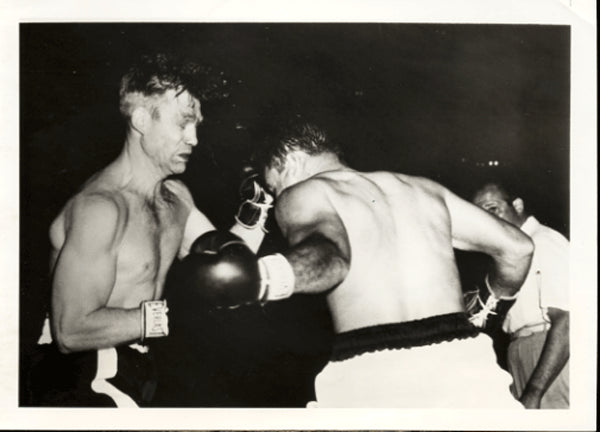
point(140, 119)
point(292, 172)
point(518, 205)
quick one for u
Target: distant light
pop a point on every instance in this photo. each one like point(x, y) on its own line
point(490, 163)
point(496, 163)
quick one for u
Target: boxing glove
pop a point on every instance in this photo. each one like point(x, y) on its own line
point(221, 271)
point(256, 202)
point(484, 309)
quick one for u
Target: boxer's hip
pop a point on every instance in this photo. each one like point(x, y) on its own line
point(123, 376)
point(440, 362)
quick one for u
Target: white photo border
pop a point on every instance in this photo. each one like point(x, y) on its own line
point(578, 14)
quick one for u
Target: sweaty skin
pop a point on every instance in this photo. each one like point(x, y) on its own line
point(111, 250)
point(114, 241)
point(391, 239)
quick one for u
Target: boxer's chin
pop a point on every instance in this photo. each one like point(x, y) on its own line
point(179, 167)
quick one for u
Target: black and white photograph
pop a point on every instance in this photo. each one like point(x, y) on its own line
point(291, 215)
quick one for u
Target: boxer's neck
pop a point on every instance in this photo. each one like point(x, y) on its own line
point(312, 165)
point(139, 173)
point(301, 166)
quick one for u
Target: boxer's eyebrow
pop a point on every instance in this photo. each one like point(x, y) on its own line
point(191, 116)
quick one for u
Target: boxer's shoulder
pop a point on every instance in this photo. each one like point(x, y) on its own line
point(103, 201)
point(175, 188)
point(304, 202)
point(95, 211)
point(420, 183)
point(306, 193)
point(175, 198)
point(422, 188)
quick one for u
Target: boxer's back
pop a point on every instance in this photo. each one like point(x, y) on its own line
point(402, 265)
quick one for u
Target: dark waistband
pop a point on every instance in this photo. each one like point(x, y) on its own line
point(426, 331)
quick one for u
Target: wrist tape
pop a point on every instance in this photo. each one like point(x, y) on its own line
point(277, 277)
point(154, 319)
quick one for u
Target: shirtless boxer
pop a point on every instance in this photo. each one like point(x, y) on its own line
point(380, 245)
point(114, 241)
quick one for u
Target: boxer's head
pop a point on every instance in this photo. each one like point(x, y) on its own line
point(148, 80)
point(297, 152)
point(495, 199)
point(161, 111)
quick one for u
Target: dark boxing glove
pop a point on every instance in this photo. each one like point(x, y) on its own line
point(256, 202)
point(485, 310)
point(221, 271)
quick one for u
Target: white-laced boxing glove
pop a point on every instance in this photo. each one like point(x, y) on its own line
point(256, 202)
point(482, 304)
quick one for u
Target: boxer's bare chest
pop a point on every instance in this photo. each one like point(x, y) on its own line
point(151, 238)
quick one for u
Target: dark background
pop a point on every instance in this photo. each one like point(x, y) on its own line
point(440, 101)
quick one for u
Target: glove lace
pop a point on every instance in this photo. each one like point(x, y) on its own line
point(480, 318)
point(264, 213)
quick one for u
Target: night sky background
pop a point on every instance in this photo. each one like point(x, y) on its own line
point(440, 101)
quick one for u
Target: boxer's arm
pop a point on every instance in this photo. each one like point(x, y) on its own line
point(553, 358)
point(223, 272)
point(253, 237)
point(83, 280)
point(474, 229)
point(195, 223)
point(319, 251)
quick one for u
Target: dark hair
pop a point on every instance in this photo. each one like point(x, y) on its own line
point(156, 73)
point(305, 137)
point(151, 75)
point(506, 193)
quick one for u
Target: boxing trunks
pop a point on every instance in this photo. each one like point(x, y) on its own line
point(111, 377)
point(436, 362)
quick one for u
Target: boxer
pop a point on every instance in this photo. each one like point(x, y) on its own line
point(379, 245)
point(114, 241)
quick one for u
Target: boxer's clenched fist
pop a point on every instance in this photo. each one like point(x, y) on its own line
point(221, 271)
